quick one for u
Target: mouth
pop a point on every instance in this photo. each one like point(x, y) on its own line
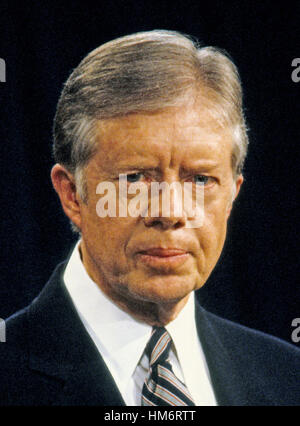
point(163, 258)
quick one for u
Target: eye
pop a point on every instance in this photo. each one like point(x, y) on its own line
point(134, 177)
point(202, 180)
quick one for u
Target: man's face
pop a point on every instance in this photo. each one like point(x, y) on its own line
point(158, 260)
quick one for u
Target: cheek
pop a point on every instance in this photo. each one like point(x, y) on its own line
point(211, 235)
point(211, 241)
point(108, 239)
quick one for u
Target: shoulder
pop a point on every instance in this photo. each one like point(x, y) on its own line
point(14, 360)
point(263, 369)
point(21, 330)
point(256, 342)
point(13, 350)
point(19, 325)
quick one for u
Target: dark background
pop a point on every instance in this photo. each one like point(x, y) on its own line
point(256, 282)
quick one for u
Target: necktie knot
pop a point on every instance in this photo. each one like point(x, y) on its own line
point(161, 386)
point(159, 346)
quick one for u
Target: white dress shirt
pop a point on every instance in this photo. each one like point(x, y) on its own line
point(121, 339)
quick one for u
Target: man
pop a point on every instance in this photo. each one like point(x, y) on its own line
point(118, 323)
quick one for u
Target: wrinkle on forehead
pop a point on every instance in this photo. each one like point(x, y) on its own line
point(164, 137)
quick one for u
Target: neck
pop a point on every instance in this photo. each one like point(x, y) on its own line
point(154, 314)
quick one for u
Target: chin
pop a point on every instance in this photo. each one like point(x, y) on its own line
point(162, 293)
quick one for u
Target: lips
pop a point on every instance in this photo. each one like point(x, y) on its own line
point(163, 259)
point(161, 252)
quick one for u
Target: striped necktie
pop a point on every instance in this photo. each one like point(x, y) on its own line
point(161, 386)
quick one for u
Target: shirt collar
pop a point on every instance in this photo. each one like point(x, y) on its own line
point(121, 337)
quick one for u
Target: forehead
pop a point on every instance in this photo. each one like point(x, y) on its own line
point(179, 132)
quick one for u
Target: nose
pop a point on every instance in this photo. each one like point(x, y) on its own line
point(166, 206)
point(164, 222)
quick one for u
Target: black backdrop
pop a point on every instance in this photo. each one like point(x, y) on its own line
point(256, 280)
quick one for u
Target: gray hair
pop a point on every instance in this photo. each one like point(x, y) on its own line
point(144, 72)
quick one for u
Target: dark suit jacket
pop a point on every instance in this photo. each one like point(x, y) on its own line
point(49, 359)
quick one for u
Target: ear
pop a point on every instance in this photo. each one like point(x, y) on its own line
point(64, 185)
point(236, 189)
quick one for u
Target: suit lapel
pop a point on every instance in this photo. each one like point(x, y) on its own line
point(60, 347)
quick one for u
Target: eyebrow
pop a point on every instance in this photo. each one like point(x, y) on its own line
point(201, 164)
point(136, 169)
point(138, 164)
